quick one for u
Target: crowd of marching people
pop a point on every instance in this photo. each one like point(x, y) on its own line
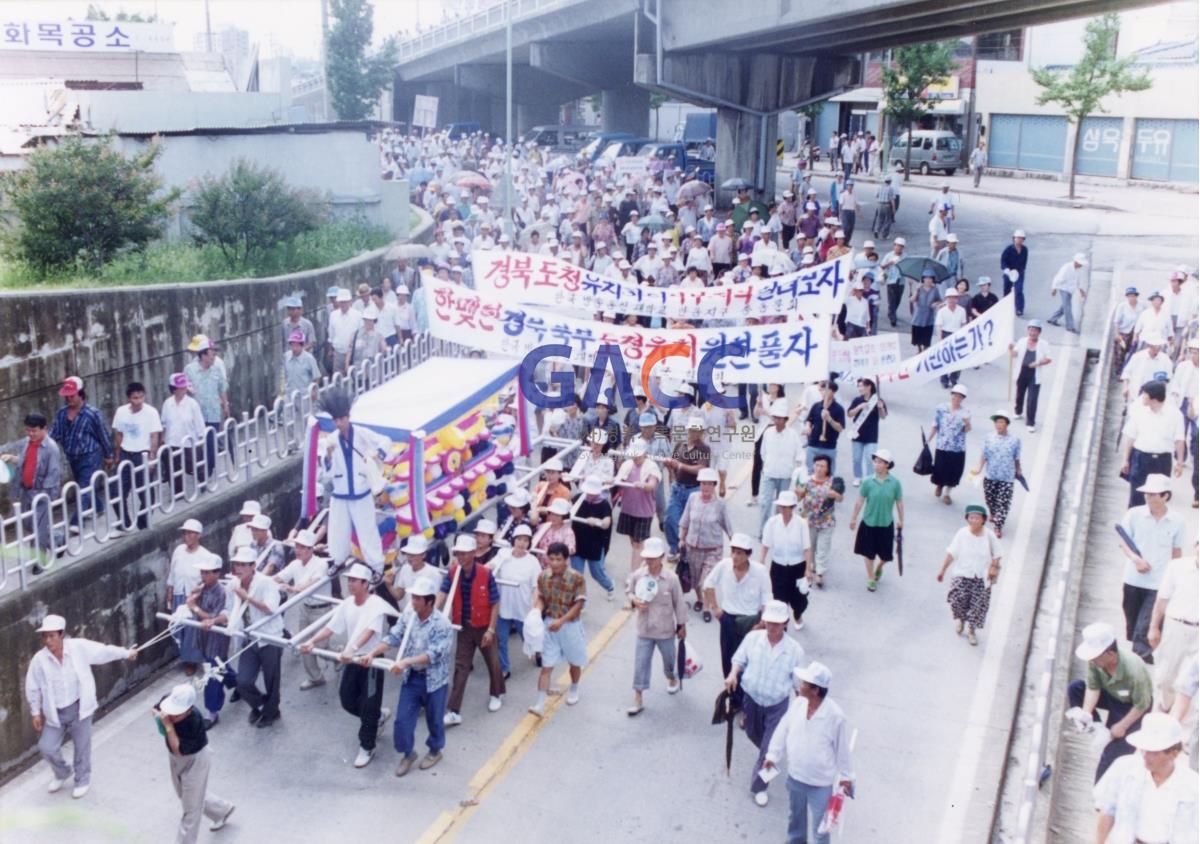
point(520, 580)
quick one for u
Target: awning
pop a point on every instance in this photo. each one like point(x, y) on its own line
point(955, 106)
point(859, 95)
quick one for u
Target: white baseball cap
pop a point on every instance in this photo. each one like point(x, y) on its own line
point(251, 508)
point(243, 554)
point(742, 541)
point(358, 571)
point(961, 389)
point(695, 423)
point(779, 407)
point(522, 530)
point(192, 525)
point(884, 455)
point(423, 588)
point(485, 526)
point(708, 475)
point(868, 244)
point(776, 612)
point(415, 544)
point(1080, 259)
point(212, 563)
point(1019, 233)
point(52, 624)
point(952, 238)
point(180, 700)
point(306, 538)
point(787, 498)
point(900, 241)
point(653, 547)
point(517, 498)
point(592, 485)
point(1154, 338)
point(816, 674)
point(261, 522)
point(553, 465)
point(1097, 638)
point(464, 543)
point(559, 507)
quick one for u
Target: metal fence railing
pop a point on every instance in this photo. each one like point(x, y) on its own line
point(238, 449)
point(469, 26)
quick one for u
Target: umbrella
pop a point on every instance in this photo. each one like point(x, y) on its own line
point(724, 711)
point(741, 213)
point(914, 267)
point(471, 179)
point(737, 183)
point(419, 174)
point(694, 188)
point(656, 223)
point(900, 551)
point(1021, 480)
point(680, 662)
point(409, 252)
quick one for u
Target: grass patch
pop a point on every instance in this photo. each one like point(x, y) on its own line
point(182, 261)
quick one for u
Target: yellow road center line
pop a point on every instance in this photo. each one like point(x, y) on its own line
point(449, 823)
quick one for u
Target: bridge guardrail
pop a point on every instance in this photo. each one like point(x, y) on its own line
point(489, 19)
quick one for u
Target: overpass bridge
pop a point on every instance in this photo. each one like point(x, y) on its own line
point(749, 61)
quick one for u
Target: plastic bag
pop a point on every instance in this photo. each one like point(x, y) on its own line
point(924, 464)
point(692, 664)
point(533, 632)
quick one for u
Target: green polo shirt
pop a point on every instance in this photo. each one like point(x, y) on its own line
point(1130, 684)
point(880, 497)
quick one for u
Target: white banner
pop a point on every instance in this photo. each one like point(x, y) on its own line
point(425, 109)
point(979, 341)
point(542, 280)
point(86, 36)
point(630, 165)
point(864, 356)
point(792, 352)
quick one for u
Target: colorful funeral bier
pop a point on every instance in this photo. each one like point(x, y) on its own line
point(455, 426)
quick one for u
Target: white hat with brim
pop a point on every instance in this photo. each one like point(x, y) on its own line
point(742, 541)
point(1153, 338)
point(708, 475)
point(553, 465)
point(423, 588)
point(1097, 638)
point(592, 486)
point(192, 525)
point(961, 389)
point(53, 624)
point(775, 612)
point(485, 526)
point(180, 700)
point(779, 408)
point(560, 507)
point(250, 508)
point(1159, 731)
point(787, 498)
point(211, 564)
point(884, 455)
point(261, 522)
point(522, 530)
point(520, 498)
point(464, 544)
point(1155, 484)
point(816, 674)
point(243, 554)
point(415, 544)
point(306, 538)
point(653, 547)
point(359, 571)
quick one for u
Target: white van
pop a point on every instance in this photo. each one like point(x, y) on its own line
point(932, 149)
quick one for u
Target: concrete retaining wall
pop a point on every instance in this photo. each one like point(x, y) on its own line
point(112, 596)
point(112, 336)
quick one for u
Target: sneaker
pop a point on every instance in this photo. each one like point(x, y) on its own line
point(81, 790)
point(220, 822)
point(255, 716)
point(385, 715)
point(572, 697)
point(405, 764)
point(538, 709)
point(56, 784)
point(430, 760)
point(870, 584)
point(760, 798)
point(310, 683)
point(609, 595)
point(494, 703)
point(673, 687)
point(209, 723)
point(1018, 415)
point(798, 624)
point(451, 719)
point(363, 758)
point(1031, 429)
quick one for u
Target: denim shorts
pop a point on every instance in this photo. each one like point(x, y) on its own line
point(567, 644)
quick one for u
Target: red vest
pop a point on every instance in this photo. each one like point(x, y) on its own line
point(481, 605)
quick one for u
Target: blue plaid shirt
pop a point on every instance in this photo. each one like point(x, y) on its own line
point(431, 636)
point(767, 671)
point(86, 435)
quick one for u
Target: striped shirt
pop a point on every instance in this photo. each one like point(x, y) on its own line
point(86, 435)
point(767, 669)
point(433, 636)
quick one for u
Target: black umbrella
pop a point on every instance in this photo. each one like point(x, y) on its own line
point(724, 710)
point(680, 662)
point(737, 183)
point(900, 551)
point(916, 267)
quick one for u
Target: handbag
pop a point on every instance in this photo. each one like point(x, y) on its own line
point(924, 464)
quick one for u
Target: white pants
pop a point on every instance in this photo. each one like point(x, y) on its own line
point(189, 776)
point(358, 514)
point(1177, 645)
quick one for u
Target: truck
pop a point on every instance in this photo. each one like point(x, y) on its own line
point(660, 156)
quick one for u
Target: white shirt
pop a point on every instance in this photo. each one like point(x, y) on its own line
point(1184, 385)
point(404, 318)
point(785, 544)
point(1142, 368)
point(950, 320)
point(351, 620)
point(516, 600)
point(386, 323)
point(1180, 588)
point(64, 681)
point(740, 597)
point(240, 536)
point(80, 655)
point(1069, 278)
point(937, 228)
point(136, 428)
point(972, 554)
point(780, 450)
point(342, 327)
point(1121, 794)
point(366, 445)
point(301, 575)
point(1126, 317)
point(184, 575)
point(1154, 433)
point(408, 576)
point(181, 420)
point(1156, 539)
point(857, 311)
point(1151, 320)
point(699, 258)
point(817, 748)
point(265, 590)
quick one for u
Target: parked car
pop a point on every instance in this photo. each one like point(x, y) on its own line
point(561, 139)
point(661, 156)
point(620, 148)
point(600, 142)
point(932, 149)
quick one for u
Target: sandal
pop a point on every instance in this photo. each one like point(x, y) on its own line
point(634, 711)
point(946, 499)
point(870, 584)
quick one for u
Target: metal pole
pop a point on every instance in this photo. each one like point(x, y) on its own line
point(207, 29)
point(508, 117)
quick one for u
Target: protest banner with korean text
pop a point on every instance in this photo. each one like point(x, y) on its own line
point(983, 339)
point(862, 357)
point(790, 352)
point(546, 281)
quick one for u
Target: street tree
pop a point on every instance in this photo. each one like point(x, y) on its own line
point(355, 76)
point(906, 80)
point(249, 210)
point(81, 202)
point(1081, 89)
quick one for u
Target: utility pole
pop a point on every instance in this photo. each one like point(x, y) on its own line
point(324, 75)
point(207, 28)
point(508, 117)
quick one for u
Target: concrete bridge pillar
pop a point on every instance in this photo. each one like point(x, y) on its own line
point(626, 109)
point(745, 149)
